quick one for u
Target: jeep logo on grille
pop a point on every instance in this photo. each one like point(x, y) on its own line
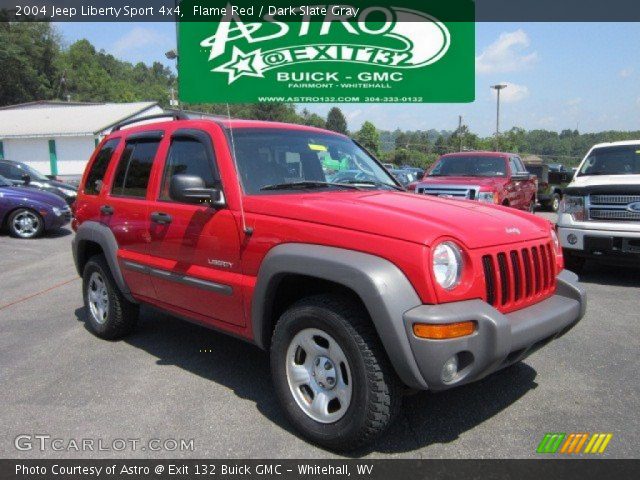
point(634, 207)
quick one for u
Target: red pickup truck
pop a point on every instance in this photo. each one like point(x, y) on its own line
point(356, 288)
point(491, 177)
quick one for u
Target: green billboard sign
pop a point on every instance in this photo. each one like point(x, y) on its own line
point(406, 52)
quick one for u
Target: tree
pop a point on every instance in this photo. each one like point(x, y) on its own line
point(336, 121)
point(369, 137)
point(313, 119)
point(27, 54)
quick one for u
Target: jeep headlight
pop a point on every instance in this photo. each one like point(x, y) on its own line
point(574, 206)
point(447, 265)
point(488, 197)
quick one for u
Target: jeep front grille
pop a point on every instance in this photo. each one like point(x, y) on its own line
point(518, 276)
point(609, 207)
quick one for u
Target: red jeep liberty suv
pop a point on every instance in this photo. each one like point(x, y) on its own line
point(357, 289)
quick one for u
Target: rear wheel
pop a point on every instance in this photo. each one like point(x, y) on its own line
point(555, 202)
point(331, 373)
point(25, 223)
point(109, 314)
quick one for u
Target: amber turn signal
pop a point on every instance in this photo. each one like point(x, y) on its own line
point(444, 331)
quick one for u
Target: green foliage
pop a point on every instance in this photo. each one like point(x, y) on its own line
point(312, 119)
point(27, 55)
point(369, 137)
point(336, 121)
point(95, 76)
point(34, 66)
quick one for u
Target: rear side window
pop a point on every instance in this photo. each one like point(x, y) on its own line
point(187, 156)
point(99, 167)
point(132, 175)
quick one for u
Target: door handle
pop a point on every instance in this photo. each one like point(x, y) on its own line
point(107, 210)
point(161, 218)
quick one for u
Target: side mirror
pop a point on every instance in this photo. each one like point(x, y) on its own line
point(26, 179)
point(192, 189)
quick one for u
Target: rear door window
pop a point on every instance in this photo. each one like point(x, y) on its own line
point(134, 169)
point(95, 176)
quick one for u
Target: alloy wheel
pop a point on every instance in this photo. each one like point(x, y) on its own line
point(98, 298)
point(26, 224)
point(319, 376)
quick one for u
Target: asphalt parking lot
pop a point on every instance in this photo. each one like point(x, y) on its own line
point(61, 381)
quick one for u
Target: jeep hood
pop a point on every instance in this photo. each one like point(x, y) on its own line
point(405, 216)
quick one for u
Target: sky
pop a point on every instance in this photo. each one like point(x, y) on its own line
point(559, 75)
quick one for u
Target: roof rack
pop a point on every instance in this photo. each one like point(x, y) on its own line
point(176, 115)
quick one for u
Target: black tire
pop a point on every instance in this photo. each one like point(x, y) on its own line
point(376, 389)
point(121, 315)
point(554, 205)
point(17, 232)
point(573, 262)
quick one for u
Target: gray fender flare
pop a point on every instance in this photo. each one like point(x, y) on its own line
point(101, 234)
point(383, 288)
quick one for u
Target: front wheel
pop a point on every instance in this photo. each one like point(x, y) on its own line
point(25, 223)
point(331, 373)
point(555, 202)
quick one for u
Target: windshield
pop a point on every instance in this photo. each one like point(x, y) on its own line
point(612, 161)
point(273, 159)
point(469, 166)
point(4, 182)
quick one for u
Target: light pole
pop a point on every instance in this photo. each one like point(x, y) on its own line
point(497, 88)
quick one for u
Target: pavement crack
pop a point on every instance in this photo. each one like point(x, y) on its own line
point(41, 292)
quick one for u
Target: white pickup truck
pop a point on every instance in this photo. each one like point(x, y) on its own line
point(599, 216)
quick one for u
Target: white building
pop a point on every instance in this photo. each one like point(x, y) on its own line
point(57, 138)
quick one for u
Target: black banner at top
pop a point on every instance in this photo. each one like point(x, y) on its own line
point(165, 10)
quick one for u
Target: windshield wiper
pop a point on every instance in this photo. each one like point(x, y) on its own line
point(306, 185)
point(374, 184)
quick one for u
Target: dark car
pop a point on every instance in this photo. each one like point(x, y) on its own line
point(403, 176)
point(28, 212)
point(550, 184)
point(20, 173)
point(557, 167)
point(416, 171)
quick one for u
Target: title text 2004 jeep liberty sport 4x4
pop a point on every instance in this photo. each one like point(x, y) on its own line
point(355, 289)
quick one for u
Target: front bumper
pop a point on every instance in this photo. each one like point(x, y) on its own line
point(617, 247)
point(499, 340)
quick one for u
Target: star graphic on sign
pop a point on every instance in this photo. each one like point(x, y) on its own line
point(241, 65)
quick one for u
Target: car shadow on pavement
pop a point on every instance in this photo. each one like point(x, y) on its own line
point(601, 274)
point(60, 232)
point(426, 418)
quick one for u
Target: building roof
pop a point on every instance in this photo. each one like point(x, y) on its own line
point(61, 119)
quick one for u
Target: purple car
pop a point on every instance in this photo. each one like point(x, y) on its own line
point(27, 212)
